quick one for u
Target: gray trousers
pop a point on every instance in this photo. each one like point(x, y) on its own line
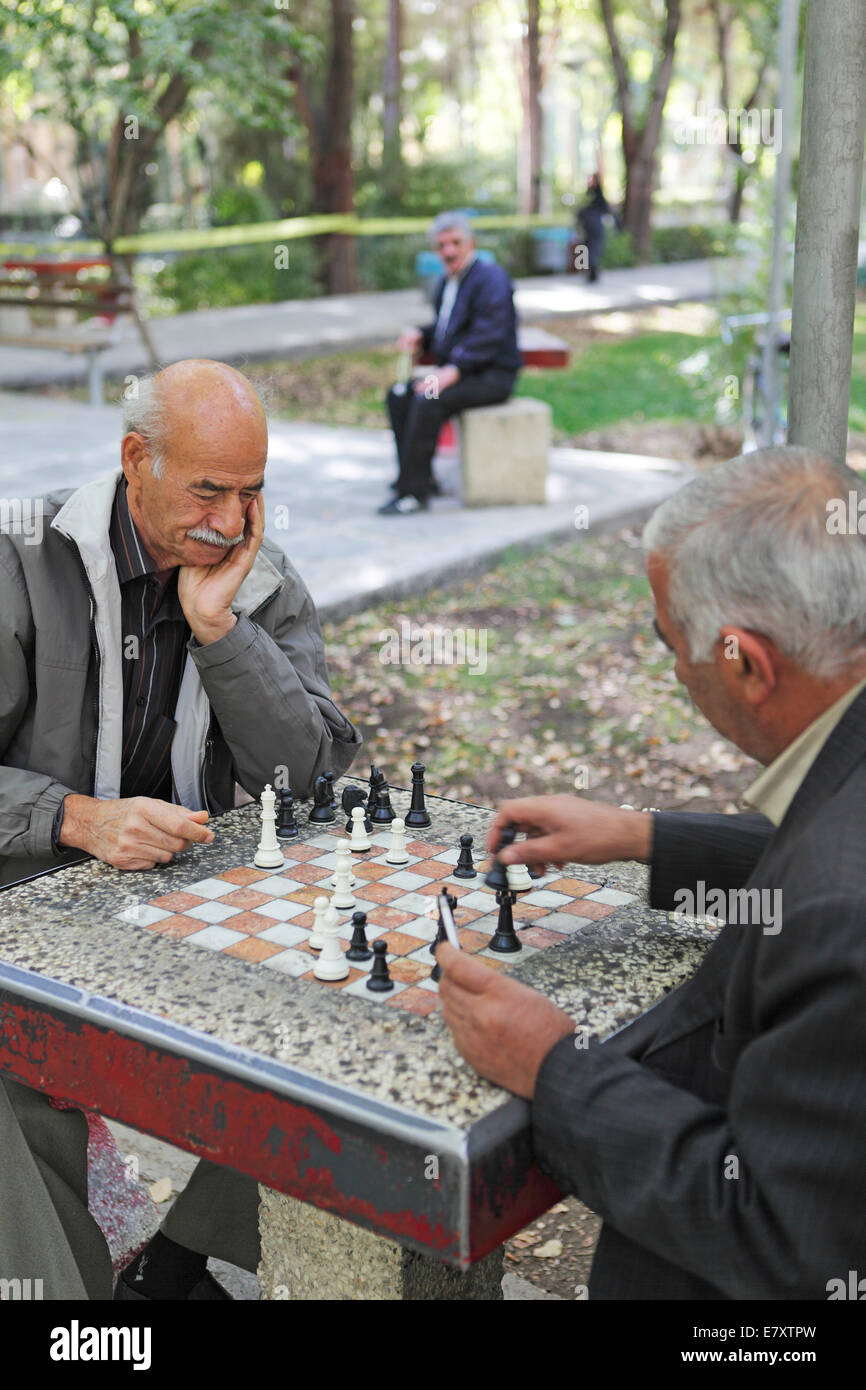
point(46, 1231)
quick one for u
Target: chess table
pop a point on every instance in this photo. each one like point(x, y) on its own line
point(344, 1112)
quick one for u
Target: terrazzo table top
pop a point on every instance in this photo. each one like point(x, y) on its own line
point(271, 1072)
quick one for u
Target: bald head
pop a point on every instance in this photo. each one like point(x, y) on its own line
point(194, 452)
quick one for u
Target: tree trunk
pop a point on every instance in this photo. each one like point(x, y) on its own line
point(533, 113)
point(392, 148)
point(640, 137)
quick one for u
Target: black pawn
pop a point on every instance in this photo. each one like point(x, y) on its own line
point(321, 811)
point(383, 812)
point(533, 872)
point(465, 867)
point(358, 948)
point(505, 938)
point(287, 826)
point(379, 980)
point(497, 877)
point(417, 815)
point(329, 778)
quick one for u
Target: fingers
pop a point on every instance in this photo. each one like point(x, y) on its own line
point(464, 971)
point(173, 827)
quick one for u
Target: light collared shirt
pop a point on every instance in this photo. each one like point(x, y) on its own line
point(774, 790)
point(452, 285)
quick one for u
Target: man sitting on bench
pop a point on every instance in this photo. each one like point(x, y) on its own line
point(473, 340)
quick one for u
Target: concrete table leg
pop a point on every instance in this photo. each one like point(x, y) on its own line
point(309, 1254)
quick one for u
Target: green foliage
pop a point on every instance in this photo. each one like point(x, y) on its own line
point(234, 205)
point(685, 243)
point(239, 275)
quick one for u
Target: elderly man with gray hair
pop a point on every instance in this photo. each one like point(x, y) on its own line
point(159, 656)
point(722, 1136)
point(473, 340)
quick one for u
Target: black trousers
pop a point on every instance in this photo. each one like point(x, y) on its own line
point(416, 422)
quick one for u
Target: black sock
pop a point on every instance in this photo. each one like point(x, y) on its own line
point(165, 1270)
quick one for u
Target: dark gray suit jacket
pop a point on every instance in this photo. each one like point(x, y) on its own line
point(760, 1056)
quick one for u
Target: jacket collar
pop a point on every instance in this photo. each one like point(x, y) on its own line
point(85, 518)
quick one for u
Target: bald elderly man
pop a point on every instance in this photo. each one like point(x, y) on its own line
point(159, 660)
point(722, 1136)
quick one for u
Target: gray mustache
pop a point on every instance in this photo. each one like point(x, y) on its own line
point(203, 533)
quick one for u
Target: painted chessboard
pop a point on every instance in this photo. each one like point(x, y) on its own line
point(265, 916)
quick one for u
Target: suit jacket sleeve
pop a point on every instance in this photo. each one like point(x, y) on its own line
point(429, 329)
point(655, 1160)
point(720, 850)
point(271, 694)
point(490, 321)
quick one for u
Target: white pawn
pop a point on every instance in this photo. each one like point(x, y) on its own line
point(332, 963)
point(397, 848)
point(360, 840)
point(317, 935)
point(269, 855)
point(518, 878)
point(343, 852)
point(342, 896)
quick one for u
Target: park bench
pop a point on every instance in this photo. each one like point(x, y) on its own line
point(54, 305)
point(504, 448)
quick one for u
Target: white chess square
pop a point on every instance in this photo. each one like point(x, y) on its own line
point(142, 915)
point(212, 912)
point(359, 988)
point(612, 896)
point(523, 954)
point(478, 901)
point(278, 885)
point(289, 962)
point(211, 888)
point(216, 938)
point(543, 897)
point(282, 909)
point(283, 934)
point(427, 983)
point(403, 878)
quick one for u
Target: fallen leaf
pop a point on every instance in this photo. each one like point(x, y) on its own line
point(549, 1250)
point(161, 1190)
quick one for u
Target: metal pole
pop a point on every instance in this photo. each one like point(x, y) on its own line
point(784, 125)
point(828, 224)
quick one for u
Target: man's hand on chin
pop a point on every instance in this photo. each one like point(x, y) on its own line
point(206, 592)
point(503, 1029)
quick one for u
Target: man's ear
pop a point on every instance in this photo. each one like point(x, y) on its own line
point(748, 664)
point(133, 451)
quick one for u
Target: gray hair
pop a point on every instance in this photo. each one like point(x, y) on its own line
point(756, 543)
point(451, 222)
point(144, 414)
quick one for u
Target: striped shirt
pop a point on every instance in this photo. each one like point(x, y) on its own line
point(154, 638)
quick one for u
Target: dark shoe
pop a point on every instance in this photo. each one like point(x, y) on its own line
point(207, 1289)
point(403, 506)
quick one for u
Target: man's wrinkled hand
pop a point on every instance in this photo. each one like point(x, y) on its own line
point(131, 833)
point(571, 829)
point(437, 380)
point(503, 1029)
point(206, 592)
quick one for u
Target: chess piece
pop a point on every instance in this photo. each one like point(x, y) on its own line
point(465, 867)
point(417, 816)
point(378, 783)
point(360, 839)
point(358, 949)
point(379, 980)
point(287, 826)
point(441, 935)
point(332, 964)
point(342, 897)
point(383, 812)
point(397, 849)
point(269, 855)
point(329, 778)
point(344, 853)
point(352, 797)
point(321, 812)
point(534, 873)
point(496, 876)
point(504, 939)
point(317, 935)
point(518, 878)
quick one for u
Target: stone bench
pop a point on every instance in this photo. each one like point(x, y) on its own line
point(504, 451)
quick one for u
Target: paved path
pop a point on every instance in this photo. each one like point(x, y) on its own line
point(326, 484)
point(307, 327)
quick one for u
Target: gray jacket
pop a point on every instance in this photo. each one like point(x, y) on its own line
point(257, 700)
